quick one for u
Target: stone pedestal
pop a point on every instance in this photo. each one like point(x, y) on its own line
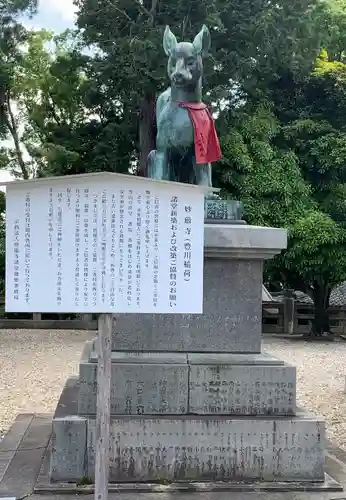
point(193, 397)
point(232, 307)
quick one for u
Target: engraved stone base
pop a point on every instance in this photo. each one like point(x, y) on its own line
point(140, 384)
point(69, 444)
point(223, 210)
point(201, 448)
point(177, 383)
point(226, 389)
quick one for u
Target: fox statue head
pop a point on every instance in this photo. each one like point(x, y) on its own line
point(185, 59)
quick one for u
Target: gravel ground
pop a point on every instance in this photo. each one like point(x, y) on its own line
point(321, 371)
point(34, 365)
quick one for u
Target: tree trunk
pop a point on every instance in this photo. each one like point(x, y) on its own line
point(321, 295)
point(12, 127)
point(147, 130)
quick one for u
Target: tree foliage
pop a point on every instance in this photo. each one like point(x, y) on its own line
point(311, 111)
point(12, 37)
point(255, 170)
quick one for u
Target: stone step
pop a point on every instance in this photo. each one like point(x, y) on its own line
point(174, 357)
point(177, 383)
point(189, 448)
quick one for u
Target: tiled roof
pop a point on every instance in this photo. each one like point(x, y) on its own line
point(337, 297)
point(302, 298)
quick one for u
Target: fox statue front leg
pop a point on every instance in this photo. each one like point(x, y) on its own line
point(203, 174)
point(158, 160)
point(157, 165)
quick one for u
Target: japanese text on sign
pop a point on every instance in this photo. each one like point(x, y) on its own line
point(104, 247)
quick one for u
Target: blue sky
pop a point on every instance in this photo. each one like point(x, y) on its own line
point(54, 15)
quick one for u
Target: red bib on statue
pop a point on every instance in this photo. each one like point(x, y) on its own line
point(207, 146)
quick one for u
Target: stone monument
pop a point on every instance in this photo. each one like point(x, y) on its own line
point(193, 397)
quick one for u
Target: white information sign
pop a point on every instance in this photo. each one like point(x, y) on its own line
point(105, 243)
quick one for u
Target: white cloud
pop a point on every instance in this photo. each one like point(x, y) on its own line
point(64, 8)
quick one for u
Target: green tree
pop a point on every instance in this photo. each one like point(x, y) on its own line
point(52, 94)
point(282, 185)
point(287, 162)
point(65, 132)
point(268, 180)
point(12, 37)
point(54, 129)
point(332, 21)
point(316, 132)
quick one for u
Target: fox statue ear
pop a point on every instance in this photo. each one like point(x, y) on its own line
point(169, 41)
point(202, 41)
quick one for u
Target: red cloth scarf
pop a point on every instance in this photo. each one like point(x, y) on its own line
point(207, 146)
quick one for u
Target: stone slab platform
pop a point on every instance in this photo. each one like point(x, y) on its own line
point(328, 485)
point(21, 453)
point(178, 383)
point(185, 448)
point(213, 449)
point(25, 474)
point(45, 486)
